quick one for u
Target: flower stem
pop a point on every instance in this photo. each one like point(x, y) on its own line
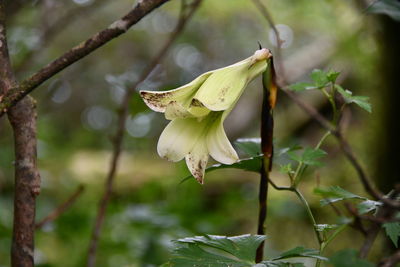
point(309, 213)
point(325, 243)
point(267, 127)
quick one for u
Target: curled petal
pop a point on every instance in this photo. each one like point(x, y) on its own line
point(197, 160)
point(223, 87)
point(218, 144)
point(257, 68)
point(197, 109)
point(176, 110)
point(179, 138)
point(158, 101)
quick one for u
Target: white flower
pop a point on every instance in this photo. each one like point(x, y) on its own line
point(198, 110)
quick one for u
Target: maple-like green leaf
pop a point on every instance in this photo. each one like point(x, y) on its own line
point(302, 86)
point(361, 101)
point(392, 229)
point(309, 156)
point(319, 77)
point(250, 146)
point(250, 164)
point(279, 264)
point(300, 252)
point(216, 251)
point(286, 169)
point(368, 206)
point(325, 227)
point(332, 76)
point(334, 193)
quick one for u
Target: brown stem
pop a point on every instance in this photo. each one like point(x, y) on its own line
point(60, 209)
point(27, 180)
point(16, 93)
point(119, 136)
point(267, 126)
point(391, 261)
point(262, 212)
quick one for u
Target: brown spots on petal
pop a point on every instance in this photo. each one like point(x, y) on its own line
point(175, 110)
point(196, 103)
point(156, 100)
point(197, 166)
point(224, 90)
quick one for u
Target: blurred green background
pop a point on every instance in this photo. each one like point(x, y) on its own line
point(149, 208)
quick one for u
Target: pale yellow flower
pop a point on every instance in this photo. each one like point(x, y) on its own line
point(198, 110)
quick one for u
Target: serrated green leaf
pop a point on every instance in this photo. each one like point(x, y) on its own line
point(279, 264)
point(348, 258)
point(332, 76)
point(392, 230)
point(333, 194)
point(367, 206)
point(302, 86)
point(361, 101)
point(300, 252)
point(308, 157)
point(319, 77)
point(387, 7)
point(216, 251)
point(250, 146)
point(286, 169)
point(325, 227)
point(251, 164)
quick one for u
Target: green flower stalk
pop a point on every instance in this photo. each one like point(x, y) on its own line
point(197, 112)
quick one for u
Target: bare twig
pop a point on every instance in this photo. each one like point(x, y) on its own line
point(49, 32)
point(27, 180)
point(119, 136)
point(278, 54)
point(385, 214)
point(60, 209)
point(16, 93)
point(391, 261)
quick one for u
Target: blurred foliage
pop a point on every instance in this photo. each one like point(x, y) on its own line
point(77, 115)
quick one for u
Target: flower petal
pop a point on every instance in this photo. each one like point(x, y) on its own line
point(197, 159)
point(223, 87)
point(176, 110)
point(179, 138)
point(158, 101)
point(257, 68)
point(218, 144)
point(197, 109)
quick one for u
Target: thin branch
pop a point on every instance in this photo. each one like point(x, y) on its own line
point(278, 54)
point(279, 188)
point(119, 136)
point(49, 32)
point(117, 28)
point(391, 261)
point(61, 209)
point(27, 180)
point(310, 110)
point(362, 174)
